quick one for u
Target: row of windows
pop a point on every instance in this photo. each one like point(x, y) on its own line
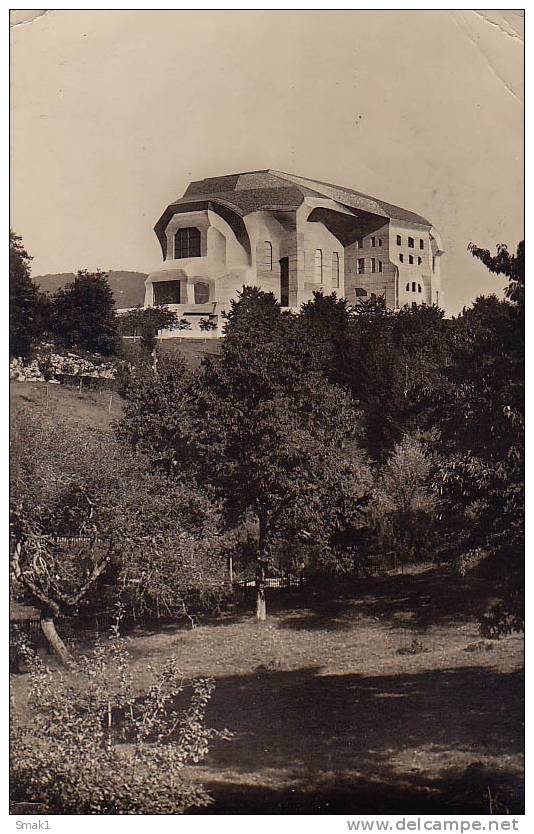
point(169, 292)
point(375, 241)
point(318, 268)
point(318, 264)
point(374, 264)
point(411, 259)
point(411, 242)
point(413, 287)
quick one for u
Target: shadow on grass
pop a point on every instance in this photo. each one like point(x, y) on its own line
point(340, 733)
point(459, 792)
point(415, 601)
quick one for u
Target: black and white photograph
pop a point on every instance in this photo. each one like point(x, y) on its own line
point(266, 417)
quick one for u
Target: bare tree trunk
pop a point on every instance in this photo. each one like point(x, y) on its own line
point(261, 607)
point(56, 643)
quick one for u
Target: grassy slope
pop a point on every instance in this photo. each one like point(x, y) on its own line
point(326, 716)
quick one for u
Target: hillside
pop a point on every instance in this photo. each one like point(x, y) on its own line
point(128, 287)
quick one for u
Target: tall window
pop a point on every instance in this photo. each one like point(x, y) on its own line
point(399, 240)
point(202, 292)
point(318, 266)
point(360, 268)
point(187, 243)
point(268, 256)
point(419, 260)
point(421, 243)
point(408, 287)
point(419, 288)
point(401, 258)
point(373, 241)
point(335, 270)
point(413, 286)
point(373, 265)
point(411, 243)
point(380, 266)
point(410, 258)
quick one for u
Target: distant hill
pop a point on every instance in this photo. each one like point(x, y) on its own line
point(128, 287)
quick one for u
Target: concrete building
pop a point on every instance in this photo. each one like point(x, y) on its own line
point(291, 236)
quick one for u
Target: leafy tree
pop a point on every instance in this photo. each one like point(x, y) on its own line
point(207, 325)
point(27, 306)
point(157, 540)
point(94, 746)
point(404, 503)
point(146, 322)
point(83, 314)
point(261, 427)
point(481, 476)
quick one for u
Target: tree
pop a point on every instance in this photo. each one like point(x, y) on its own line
point(146, 322)
point(481, 475)
point(26, 303)
point(260, 427)
point(404, 502)
point(160, 541)
point(83, 314)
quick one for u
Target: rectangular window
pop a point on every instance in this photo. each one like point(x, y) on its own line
point(411, 243)
point(380, 241)
point(410, 259)
point(361, 266)
point(401, 258)
point(373, 265)
point(399, 240)
point(419, 260)
point(380, 266)
point(335, 270)
point(373, 241)
point(318, 266)
point(421, 243)
point(166, 292)
point(187, 243)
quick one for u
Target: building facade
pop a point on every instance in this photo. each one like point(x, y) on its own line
point(291, 236)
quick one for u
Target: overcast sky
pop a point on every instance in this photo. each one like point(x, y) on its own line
point(113, 113)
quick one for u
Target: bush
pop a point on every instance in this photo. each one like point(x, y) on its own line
point(95, 747)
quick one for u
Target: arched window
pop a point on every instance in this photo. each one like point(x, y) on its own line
point(187, 243)
point(419, 288)
point(335, 270)
point(360, 292)
point(268, 256)
point(413, 286)
point(318, 266)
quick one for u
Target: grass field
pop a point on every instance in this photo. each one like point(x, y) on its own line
point(332, 706)
point(329, 717)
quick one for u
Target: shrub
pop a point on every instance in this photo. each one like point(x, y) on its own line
point(95, 747)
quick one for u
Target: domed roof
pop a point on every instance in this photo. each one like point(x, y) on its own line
point(241, 194)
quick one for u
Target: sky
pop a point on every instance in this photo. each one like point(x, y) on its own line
point(113, 113)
